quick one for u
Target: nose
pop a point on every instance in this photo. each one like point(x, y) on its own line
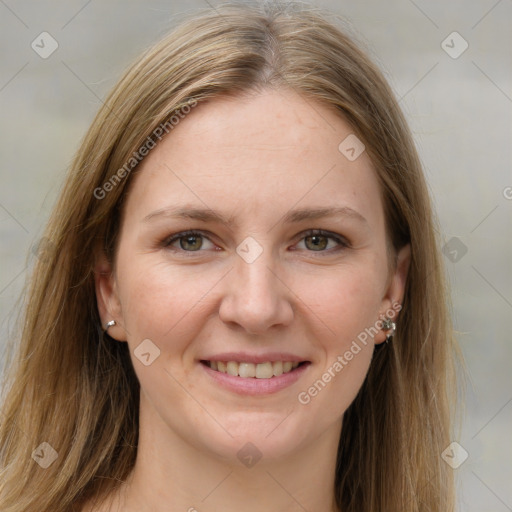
point(256, 297)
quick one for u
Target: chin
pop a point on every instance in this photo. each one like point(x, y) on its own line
point(258, 436)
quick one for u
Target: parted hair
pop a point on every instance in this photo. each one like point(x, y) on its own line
point(67, 384)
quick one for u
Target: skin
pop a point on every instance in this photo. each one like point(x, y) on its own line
point(253, 158)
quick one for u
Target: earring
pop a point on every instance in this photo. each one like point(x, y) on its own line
point(388, 325)
point(109, 324)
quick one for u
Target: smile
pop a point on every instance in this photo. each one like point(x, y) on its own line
point(265, 370)
point(254, 378)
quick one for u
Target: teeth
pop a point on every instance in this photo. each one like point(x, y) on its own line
point(278, 368)
point(265, 370)
point(246, 370)
point(232, 368)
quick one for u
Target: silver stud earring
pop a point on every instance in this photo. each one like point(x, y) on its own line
point(109, 324)
point(388, 325)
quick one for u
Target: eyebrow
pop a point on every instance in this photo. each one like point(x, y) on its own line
point(293, 216)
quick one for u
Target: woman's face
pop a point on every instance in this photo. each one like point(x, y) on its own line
point(250, 177)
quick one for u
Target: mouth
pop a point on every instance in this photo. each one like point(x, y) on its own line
point(254, 378)
point(247, 370)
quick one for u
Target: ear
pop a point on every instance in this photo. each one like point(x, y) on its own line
point(109, 306)
point(396, 289)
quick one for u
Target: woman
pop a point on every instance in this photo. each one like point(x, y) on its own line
point(241, 303)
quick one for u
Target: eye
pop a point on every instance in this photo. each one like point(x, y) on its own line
point(189, 241)
point(317, 240)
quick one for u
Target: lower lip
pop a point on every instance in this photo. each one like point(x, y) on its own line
point(254, 386)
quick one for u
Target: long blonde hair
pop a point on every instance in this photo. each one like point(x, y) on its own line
point(68, 386)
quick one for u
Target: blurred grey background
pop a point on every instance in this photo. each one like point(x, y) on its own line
point(458, 101)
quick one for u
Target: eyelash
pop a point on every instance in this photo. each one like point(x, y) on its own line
point(343, 243)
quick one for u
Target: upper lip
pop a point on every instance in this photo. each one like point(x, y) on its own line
point(244, 357)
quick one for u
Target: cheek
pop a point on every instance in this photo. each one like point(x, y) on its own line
point(332, 390)
point(160, 301)
point(347, 302)
point(348, 307)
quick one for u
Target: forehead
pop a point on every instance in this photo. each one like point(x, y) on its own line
point(258, 154)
